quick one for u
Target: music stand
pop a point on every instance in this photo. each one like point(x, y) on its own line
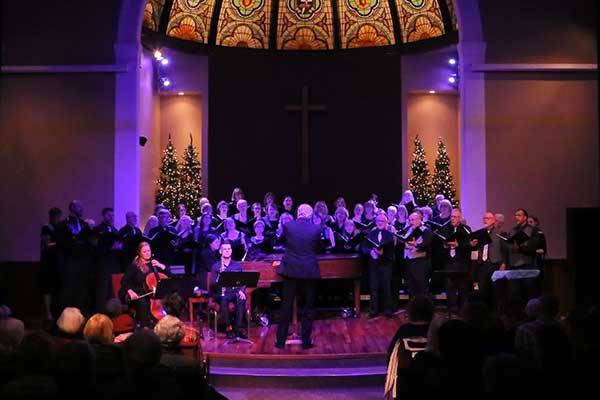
point(236, 279)
point(183, 286)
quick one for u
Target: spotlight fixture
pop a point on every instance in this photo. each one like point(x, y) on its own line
point(452, 61)
point(181, 93)
point(452, 79)
point(165, 82)
point(432, 92)
point(164, 61)
point(158, 55)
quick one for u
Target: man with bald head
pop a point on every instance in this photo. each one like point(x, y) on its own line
point(490, 257)
point(299, 269)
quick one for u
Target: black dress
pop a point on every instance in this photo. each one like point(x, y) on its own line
point(135, 279)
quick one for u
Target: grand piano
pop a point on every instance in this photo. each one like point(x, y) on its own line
point(333, 266)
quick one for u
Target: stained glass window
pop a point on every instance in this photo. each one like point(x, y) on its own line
point(244, 23)
point(305, 25)
point(365, 23)
point(152, 13)
point(452, 15)
point(419, 19)
point(190, 19)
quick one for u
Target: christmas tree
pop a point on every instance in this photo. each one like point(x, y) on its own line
point(191, 180)
point(420, 181)
point(442, 181)
point(168, 184)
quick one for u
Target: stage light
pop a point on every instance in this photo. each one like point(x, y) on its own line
point(165, 82)
point(181, 93)
point(432, 92)
point(452, 79)
point(158, 55)
point(452, 61)
point(164, 61)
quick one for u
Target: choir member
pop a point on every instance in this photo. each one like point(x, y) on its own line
point(379, 249)
point(416, 253)
point(150, 224)
point(408, 201)
point(391, 214)
point(131, 236)
point(271, 221)
point(209, 255)
point(184, 251)
point(456, 256)
point(236, 195)
point(401, 218)
point(339, 202)
point(236, 238)
point(436, 209)
point(327, 237)
point(222, 215)
point(339, 219)
point(322, 211)
point(359, 210)
point(49, 258)
point(164, 238)
point(369, 214)
point(259, 245)
point(349, 239)
point(242, 220)
point(108, 258)
point(278, 242)
point(288, 205)
point(268, 199)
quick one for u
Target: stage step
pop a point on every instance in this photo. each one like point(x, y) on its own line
point(301, 372)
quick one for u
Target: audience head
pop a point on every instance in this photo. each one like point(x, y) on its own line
point(305, 211)
point(173, 304)
point(420, 309)
point(98, 329)
point(35, 355)
point(75, 367)
point(114, 308)
point(141, 352)
point(55, 215)
point(76, 208)
point(533, 308)
point(170, 330)
point(131, 218)
point(12, 331)
point(5, 311)
point(549, 305)
point(505, 374)
point(458, 343)
point(70, 321)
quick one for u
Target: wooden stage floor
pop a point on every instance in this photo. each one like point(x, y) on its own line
point(335, 337)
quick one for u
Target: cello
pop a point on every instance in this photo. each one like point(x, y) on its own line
point(152, 279)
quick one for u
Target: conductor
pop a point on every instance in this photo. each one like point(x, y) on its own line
point(299, 269)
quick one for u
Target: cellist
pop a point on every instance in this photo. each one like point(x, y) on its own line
point(134, 289)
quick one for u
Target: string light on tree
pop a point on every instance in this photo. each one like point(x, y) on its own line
point(443, 182)
point(191, 180)
point(168, 191)
point(420, 180)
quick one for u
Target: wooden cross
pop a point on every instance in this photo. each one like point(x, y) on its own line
point(305, 108)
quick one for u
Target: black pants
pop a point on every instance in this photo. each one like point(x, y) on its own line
point(485, 270)
point(142, 312)
point(417, 276)
point(457, 286)
point(306, 289)
point(380, 277)
point(240, 309)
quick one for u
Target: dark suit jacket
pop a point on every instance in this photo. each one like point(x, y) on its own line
point(387, 243)
point(301, 238)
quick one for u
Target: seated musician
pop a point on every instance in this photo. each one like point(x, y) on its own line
point(133, 283)
point(225, 296)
